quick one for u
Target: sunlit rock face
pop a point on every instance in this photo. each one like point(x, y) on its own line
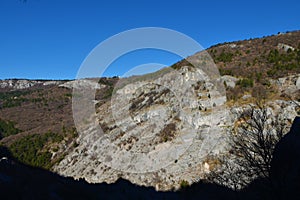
point(158, 131)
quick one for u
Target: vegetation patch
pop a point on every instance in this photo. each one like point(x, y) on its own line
point(181, 63)
point(245, 82)
point(32, 149)
point(145, 100)
point(12, 98)
point(7, 128)
point(224, 57)
point(283, 62)
point(105, 93)
point(184, 184)
point(226, 72)
point(168, 133)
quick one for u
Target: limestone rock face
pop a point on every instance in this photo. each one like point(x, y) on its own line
point(229, 80)
point(154, 132)
point(285, 47)
point(288, 85)
point(298, 83)
point(160, 131)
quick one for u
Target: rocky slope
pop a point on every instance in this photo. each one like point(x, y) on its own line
point(165, 142)
point(156, 132)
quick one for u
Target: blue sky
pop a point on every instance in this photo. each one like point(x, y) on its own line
point(49, 39)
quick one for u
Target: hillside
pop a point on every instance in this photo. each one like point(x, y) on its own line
point(259, 60)
point(37, 111)
point(163, 129)
point(273, 56)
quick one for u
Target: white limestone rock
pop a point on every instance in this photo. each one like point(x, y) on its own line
point(229, 80)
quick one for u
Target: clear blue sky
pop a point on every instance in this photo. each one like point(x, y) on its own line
point(49, 39)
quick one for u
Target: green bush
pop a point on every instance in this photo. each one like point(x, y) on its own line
point(258, 76)
point(184, 184)
point(108, 92)
point(245, 82)
point(225, 72)
point(224, 57)
point(248, 64)
point(7, 128)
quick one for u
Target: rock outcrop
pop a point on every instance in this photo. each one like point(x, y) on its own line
point(156, 132)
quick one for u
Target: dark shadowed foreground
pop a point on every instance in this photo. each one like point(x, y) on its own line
point(18, 181)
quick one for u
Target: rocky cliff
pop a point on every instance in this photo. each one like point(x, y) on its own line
point(167, 129)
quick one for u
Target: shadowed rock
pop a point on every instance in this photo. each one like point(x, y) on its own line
point(285, 165)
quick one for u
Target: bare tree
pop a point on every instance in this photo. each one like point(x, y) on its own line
point(256, 138)
point(252, 146)
point(229, 174)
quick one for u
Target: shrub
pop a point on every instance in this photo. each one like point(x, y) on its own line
point(184, 184)
point(234, 93)
point(224, 57)
point(225, 72)
point(259, 92)
point(7, 128)
point(258, 76)
point(245, 82)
